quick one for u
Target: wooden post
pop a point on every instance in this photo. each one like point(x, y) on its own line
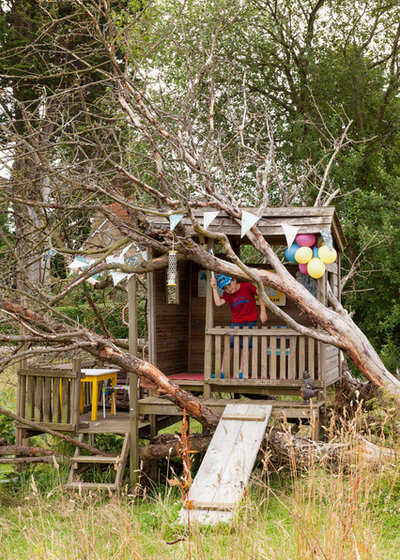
point(21, 396)
point(133, 384)
point(151, 324)
point(76, 392)
point(209, 323)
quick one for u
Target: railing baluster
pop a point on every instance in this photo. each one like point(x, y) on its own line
point(254, 358)
point(38, 414)
point(30, 396)
point(282, 358)
point(302, 354)
point(227, 364)
point(218, 359)
point(245, 357)
point(56, 400)
point(264, 357)
point(47, 399)
point(311, 357)
point(273, 374)
point(236, 354)
point(292, 357)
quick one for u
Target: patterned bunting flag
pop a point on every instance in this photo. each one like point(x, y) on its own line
point(48, 254)
point(327, 237)
point(131, 261)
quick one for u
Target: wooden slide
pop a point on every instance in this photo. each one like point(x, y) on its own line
point(227, 465)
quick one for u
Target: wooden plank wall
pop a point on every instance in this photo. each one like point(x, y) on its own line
point(332, 364)
point(172, 323)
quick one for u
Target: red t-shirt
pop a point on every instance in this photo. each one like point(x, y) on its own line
point(242, 303)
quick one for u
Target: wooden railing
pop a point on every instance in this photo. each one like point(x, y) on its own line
point(50, 395)
point(275, 354)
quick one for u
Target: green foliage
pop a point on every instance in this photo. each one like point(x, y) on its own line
point(111, 314)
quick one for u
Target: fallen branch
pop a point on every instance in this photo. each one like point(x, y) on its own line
point(26, 460)
point(287, 449)
point(42, 428)
point(25, 451)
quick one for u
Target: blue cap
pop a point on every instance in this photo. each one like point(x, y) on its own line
point(223, 281)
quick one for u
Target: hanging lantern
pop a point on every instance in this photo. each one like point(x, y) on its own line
point(172, 267)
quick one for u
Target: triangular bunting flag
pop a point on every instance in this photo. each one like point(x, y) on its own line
point(144, 255)
point(174, 220)
point(290, 233)
point(48, 254)
point(327, 237)
point(209, 217)
point(117, 276)
point(134, 259)
point(248, 221)
point(79, 262)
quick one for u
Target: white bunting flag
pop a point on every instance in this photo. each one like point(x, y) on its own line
point(248, 221)
point(290, 233)
point(111, 259)
point(209, 217)
point(117, 276)
point(174, 220)
point(125, 250)
point(79, 262)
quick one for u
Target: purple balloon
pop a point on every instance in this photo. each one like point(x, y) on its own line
point(306, 239)
point(303, 268)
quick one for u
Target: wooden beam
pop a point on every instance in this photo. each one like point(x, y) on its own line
point(133, 384)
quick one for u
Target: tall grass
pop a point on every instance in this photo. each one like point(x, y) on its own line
point(350, 510)
point(342, 513)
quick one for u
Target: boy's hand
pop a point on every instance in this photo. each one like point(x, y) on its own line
point(263, 316)
point(213, 282)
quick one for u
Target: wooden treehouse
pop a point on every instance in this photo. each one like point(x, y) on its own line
point(187, 334)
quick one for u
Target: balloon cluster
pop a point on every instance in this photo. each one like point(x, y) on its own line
point(310, 258)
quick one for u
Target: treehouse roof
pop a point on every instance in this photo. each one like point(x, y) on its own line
point(306, 219)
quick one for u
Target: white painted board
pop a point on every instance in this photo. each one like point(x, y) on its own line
point(227, 465)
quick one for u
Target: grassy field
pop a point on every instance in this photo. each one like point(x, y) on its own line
point(332, 514)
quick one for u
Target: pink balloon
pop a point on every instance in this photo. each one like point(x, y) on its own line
point(303, 268)
point(306, 239)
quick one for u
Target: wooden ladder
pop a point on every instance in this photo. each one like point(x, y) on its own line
point(119, 462)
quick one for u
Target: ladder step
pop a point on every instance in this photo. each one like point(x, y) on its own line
point(99, 459)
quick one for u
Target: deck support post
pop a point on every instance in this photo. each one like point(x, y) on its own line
point(209, 323)
point(133, 384)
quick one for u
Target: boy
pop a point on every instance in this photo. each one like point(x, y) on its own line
point(241, 298)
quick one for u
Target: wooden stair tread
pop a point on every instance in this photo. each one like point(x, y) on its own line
point(119, 461)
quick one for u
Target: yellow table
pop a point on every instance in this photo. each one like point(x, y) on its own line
point(94, 375)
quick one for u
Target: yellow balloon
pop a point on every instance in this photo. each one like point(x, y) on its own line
point(316, 268)
point(327, 255)
point(303, 255)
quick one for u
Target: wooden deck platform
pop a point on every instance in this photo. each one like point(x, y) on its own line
point(119, 424)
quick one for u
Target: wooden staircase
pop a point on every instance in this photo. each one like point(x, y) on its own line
point(79, 461)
